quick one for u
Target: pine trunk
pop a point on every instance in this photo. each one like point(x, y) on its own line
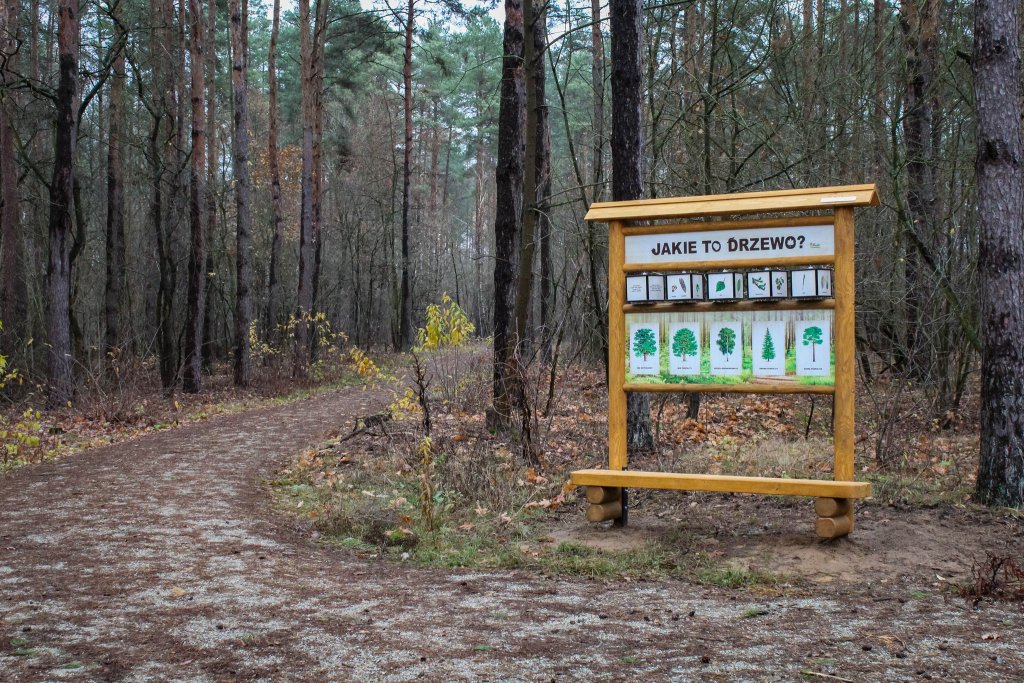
point(597, 74)
point(209, 349)
point(196, 302)
point(405, 311)
point(277, 213)
point(305, 293)
point(997, 78)
point(543, 166)
point(319, 40)
point(239, 10)
point(58, 272)
point(627, 162)
point(13, 298)
point(115, 245)
point(919, 30)
point(528, 244)
point(508, 204)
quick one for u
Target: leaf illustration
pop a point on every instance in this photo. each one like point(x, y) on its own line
point(759, 283)
point(720, 286)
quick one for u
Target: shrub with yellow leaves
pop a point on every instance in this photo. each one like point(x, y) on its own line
point(447, 326)
point(442, 344)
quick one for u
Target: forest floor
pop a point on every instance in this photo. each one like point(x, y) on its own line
point(169, 557)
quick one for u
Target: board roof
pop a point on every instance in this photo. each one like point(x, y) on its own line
point(820, 198)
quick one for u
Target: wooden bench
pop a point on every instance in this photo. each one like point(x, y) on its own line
point(816, 488)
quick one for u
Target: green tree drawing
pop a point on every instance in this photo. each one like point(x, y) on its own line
point(768, 347)
point(684, 343)
point(644, 343)
point(727, 341)
point(812, 337)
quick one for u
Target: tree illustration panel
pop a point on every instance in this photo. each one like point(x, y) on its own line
point(813, 348)
point(644, 355)
point(768, 348)
point(727, 348)
point(684, 350)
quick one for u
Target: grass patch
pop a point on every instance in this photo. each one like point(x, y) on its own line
point(577, 559)
point(733, 577)
point(21, 647)
point(470, 506)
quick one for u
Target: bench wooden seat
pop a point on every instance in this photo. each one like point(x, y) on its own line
point(722, 483)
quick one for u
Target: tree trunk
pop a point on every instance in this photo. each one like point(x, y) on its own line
point(478, 231)
point(508, 204)
point(305, 293)
point(196, 303)
point(627, 162)
point(58, 272)
point(239, 26)
point(997, 78)
point(161, 147)
point(528, 245)
point(920, 33)
point(597, 73)
point(405, 311)
point(543, 175)
point(13, 300)
point(209, 349)
point(115, 245)
point(273, 287)
point(319, 39)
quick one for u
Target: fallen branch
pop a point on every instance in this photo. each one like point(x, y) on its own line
point(364, 424)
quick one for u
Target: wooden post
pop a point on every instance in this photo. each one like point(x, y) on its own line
point(845, 321)
point(827, 507)
point(602, 494)
point(604, 511)
point(616, 347)
point(834, 527)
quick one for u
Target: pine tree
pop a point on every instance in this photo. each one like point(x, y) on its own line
point(997, 78)
point(812, 337)
point(768, 347)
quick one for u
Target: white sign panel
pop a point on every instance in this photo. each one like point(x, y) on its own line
point(727, 348)
point(636, 288)
point(804, 283)
point(759, 285)
point(813, 348)
point(644, 356)
point(721, 286)
point(725, 245)
point(679, 287)
point(768, 348)
point(684, 348)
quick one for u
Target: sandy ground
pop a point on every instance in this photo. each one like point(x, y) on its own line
point(161, 559)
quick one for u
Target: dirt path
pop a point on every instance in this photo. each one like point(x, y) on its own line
point(160, 559)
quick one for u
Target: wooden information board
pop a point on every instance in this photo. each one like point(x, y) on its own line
point(738, 303)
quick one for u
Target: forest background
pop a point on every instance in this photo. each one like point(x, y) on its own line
point(187, 186)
